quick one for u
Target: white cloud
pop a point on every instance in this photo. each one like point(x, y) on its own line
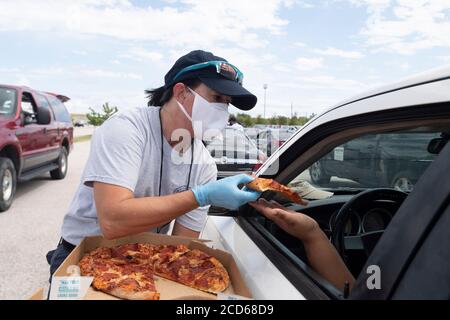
point(445, 59)
point(330, 51)
point(79, 52)
point(299, 44)
point(99, 73)
point(325, 81)
point(305, 4)
point(307, 64)
point(78, 72)
point(406, 26)
point(196, 23)
point(141, 54)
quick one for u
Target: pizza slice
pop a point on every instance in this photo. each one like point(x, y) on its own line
point(262, 184)
point(124, 280)
point(127, 271)
point(195, 269)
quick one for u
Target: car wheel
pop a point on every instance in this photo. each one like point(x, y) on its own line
point(8, 183)
point(403, 182)
point(318, 175)
point(61, 171)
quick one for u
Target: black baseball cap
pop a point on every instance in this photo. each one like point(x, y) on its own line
point(240, 97)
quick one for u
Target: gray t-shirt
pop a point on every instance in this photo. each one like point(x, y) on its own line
point(126, 151)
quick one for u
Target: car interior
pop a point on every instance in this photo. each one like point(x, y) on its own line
point(356, 214)
point(28, 108)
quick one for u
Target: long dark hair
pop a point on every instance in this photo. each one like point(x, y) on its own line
point(160, 96)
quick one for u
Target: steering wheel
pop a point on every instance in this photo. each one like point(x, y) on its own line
point(364, 241)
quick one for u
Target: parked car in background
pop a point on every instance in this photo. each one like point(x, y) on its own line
point(269, 140)
point(394, 160)
point(36, 136)
point(403, 235)
point(234, 152)
point(79, 123)
point(252, 133)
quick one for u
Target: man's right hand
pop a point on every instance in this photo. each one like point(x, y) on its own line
point(226, 193)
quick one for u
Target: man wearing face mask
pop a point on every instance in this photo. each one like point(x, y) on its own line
point(142, 172)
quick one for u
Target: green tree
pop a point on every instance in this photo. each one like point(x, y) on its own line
point(245, 119)
point(97, 118)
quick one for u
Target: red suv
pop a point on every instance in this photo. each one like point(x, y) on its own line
point(36, 136)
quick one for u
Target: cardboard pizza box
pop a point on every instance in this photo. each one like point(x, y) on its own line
point(38, 295)
point(168, 290)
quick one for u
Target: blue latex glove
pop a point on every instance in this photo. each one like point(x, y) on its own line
point(225, 193)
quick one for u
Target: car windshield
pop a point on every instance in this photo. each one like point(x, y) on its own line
point(391, 160)
point(8, 98)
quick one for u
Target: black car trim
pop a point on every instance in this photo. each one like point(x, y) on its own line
point(303, 278)
point(376, 95)
point(36, 160)
point(433, 111)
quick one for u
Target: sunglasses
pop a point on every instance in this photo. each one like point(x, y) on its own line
point(223, 68)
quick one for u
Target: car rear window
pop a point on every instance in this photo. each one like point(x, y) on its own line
point(59, 109)
point(8, 101)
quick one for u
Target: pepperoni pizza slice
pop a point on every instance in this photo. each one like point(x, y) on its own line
point(262, 184)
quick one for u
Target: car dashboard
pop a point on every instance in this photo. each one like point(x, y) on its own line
point(371, 216)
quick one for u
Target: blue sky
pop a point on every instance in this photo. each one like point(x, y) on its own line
point(310, 53)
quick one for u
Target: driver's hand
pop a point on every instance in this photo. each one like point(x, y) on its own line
point(296, 224)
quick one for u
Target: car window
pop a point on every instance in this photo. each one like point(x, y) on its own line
point(392, 160)
point(232, 144)
point(43, 102)
point(8, 99)
point(59, 109)
point(28, 103)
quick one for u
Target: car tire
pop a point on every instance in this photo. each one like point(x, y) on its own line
point(61, 171)
point(8, 183)
point(318, 174)
point(402, 181)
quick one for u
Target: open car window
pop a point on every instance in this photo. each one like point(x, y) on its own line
point(380, 160)
point(386, 160)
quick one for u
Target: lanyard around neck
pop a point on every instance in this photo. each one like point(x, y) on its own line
point(162, 157)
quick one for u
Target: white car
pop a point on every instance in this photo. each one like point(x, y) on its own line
point(405, 235)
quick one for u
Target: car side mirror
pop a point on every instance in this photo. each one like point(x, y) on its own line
point(43, 116)
point(436, 145)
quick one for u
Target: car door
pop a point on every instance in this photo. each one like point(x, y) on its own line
point(315, 140)
point(413, 255)
point(51, 137)
point(30, 134)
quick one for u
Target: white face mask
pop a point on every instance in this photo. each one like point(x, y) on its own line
point(208, 119)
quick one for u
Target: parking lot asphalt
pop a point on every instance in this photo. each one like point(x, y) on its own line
point(30, 228)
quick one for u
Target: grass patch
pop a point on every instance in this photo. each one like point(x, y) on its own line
point(82, 138)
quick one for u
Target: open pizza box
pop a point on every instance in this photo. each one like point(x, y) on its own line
point(168, 290)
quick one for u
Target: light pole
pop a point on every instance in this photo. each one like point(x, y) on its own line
point(265, 86)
